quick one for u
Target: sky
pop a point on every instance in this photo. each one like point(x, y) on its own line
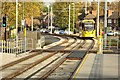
point(77, 0)
point(47, 2)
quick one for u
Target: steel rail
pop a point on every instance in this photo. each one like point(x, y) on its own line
point(19, 60)
point(37, 52)
point(20, 71)
point(90, 47)
point(52, 69)
point(45, 74)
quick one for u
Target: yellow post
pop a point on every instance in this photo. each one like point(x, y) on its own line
point(25, 32)
point(100, 43)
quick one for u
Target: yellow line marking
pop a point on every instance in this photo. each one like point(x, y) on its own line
point(80, 66)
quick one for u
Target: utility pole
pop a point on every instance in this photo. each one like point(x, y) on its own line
point(32, 22)
point(48, 14)
point(98, 19)
point(1, 17)
point(32, 19)
point(73, 16)
point(51, 19)
point(105, 25)
point(69, 20)
point(17, 22)
point(86, 7)
point(23, 14)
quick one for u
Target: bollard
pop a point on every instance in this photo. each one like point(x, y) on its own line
point(100, 45)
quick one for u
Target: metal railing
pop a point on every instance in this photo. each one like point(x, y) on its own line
point(14, 46)
point(112, 43)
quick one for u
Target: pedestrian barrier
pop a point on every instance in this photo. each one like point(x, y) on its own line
point(16, 46)
point(112, 43)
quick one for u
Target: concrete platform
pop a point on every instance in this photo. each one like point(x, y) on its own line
point(9, 57)
point(96, 66)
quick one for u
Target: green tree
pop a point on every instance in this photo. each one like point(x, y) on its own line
point(27, 8)
point(61, 12)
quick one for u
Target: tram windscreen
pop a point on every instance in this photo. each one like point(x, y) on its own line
point(88, 26)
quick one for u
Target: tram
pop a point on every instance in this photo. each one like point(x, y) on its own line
point(88, 28)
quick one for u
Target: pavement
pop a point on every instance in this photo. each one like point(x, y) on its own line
point(96, 66)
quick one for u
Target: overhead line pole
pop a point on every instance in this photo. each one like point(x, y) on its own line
point(69, 20)
point(1, 10)
point(17, 22)
point(73, 16)
point(51, 19)
point(105, 25)
point(48, 14)
point(98, 19)
point(86, 7)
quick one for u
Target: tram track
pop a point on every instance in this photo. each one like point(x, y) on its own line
point(21, 70)
point(43, 75)
point(49, 68)
point(57, 59)
point(33, 54)
point(66, 70)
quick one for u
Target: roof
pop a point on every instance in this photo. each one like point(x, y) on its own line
point(90, 16)
point(88, 21)
point(114, 15)
point(81, 16)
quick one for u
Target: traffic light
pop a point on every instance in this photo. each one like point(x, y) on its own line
point(4, 21)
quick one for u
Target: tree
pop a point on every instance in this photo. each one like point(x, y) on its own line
point(61, 12)
point(29, 9)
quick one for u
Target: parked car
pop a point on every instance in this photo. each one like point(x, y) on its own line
point(62, 32)
point(44, 30)
point(110, 33)
point(57, 31)
point(67, 32)
point(116, 33)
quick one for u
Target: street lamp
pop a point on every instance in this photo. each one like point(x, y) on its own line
point(48, 13)
point(73, 15)
point(17, 22)
point(69, 21)
point(86, 7)
point(98, 19)
point(105, 25)
point(51, 19)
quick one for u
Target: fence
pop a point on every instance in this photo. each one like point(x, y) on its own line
point(16, 46)
point(112, 43)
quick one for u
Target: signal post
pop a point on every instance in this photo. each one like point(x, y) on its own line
point(4, 24)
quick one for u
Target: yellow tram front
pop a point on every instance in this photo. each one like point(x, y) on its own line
point(88, 28)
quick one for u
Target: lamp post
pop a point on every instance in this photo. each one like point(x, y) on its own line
point(86, 7)
point(73, 15)
point(51, 19)
point(48, 13)
point(17, 21)
point(98, 19)
point(32, 19)
point(69, 21)
point(1, 9)
point(105, 25)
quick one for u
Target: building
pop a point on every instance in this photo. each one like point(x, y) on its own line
point(113, 21)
